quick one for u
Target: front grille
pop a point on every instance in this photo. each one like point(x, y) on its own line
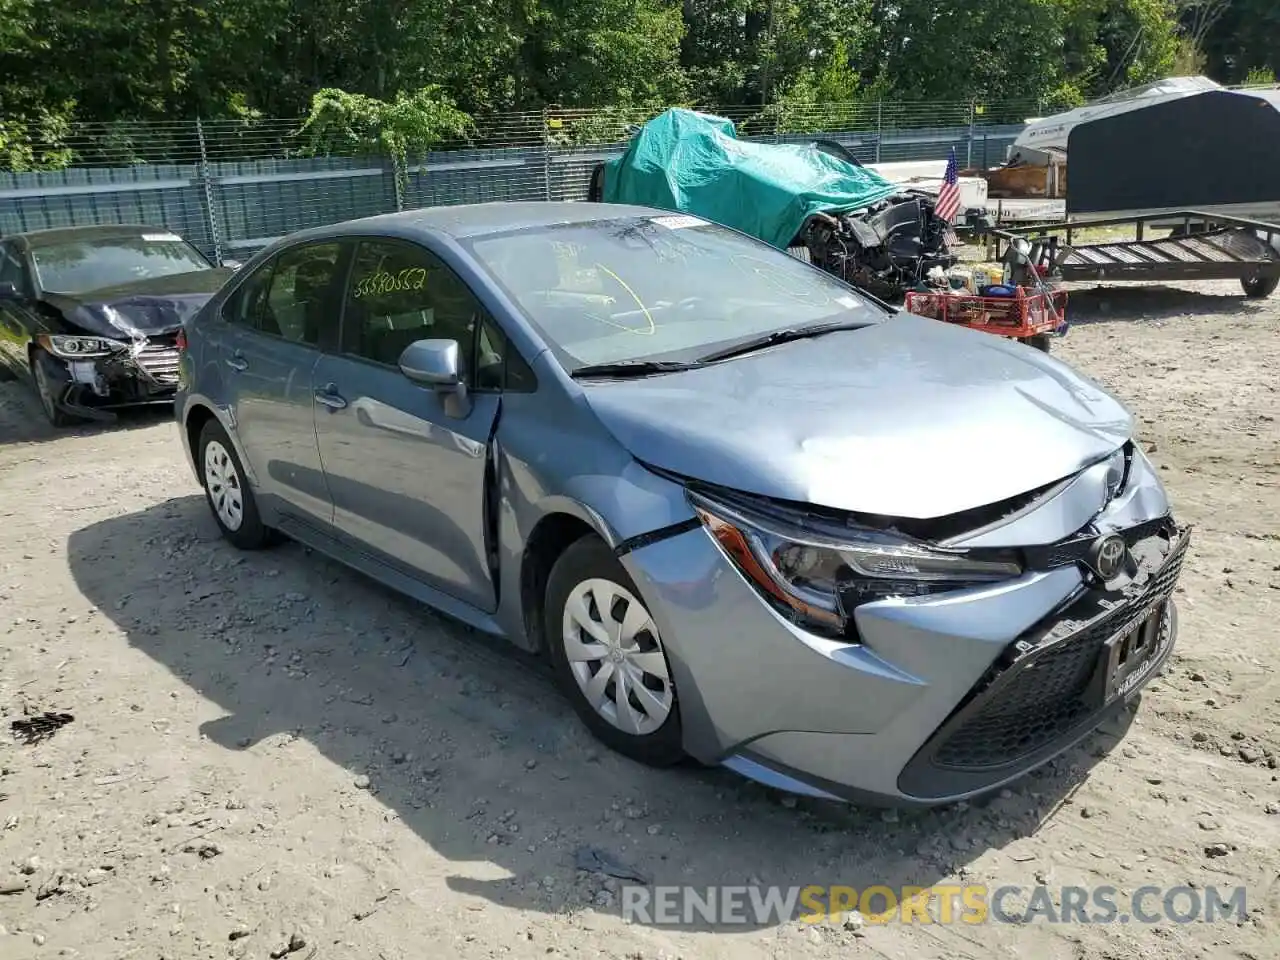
point(159, 361)
point(1049, 685)
point(1076, 548)
point(1045, 701)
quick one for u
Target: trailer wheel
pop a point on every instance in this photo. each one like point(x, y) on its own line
point(1260, 287)
point(1041, 341)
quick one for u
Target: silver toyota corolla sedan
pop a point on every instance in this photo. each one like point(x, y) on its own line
point(750, 516)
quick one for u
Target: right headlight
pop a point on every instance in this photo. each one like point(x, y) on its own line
point(818, 579)
point(79, 348)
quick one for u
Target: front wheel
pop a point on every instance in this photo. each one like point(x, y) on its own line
point(234, 508)
point(608, 655)
point(44, 384)
point(1041, 341)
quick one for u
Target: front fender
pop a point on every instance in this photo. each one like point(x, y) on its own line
point(616, 497)
point(633, 502)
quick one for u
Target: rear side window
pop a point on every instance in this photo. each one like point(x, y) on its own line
point(294, 296)
point(243, 306)
point(300, 301)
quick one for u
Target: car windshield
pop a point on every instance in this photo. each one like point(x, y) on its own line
point(666, 287)
point(77, 266)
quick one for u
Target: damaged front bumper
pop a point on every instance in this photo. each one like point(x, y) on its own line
point(936, 698)
point(141, 372)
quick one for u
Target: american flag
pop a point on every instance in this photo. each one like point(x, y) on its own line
point(948, 205)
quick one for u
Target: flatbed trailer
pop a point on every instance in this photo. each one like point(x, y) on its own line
point(1200, 246)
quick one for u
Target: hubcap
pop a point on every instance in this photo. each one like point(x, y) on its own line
point(222, 480)
point(616, 656)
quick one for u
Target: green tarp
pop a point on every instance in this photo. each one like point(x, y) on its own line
point(694, 163)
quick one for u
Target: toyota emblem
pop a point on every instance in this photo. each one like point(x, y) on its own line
point(1106, 556)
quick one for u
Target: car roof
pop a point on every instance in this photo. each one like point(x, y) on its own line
point(114, 231)
point(463, 221)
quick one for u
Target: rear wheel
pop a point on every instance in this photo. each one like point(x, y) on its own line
point(45, 389)
point(234, 508)
point(1260, 287)
point(608, 655)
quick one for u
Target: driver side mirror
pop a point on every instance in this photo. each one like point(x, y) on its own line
point(436, 364)
point(9, 291)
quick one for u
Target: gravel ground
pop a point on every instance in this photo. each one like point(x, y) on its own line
point(271, 756)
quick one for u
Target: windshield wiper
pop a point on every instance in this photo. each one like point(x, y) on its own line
point(631, 368)
point(780, 336)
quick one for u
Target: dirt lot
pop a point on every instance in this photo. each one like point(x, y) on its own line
point(269, 749)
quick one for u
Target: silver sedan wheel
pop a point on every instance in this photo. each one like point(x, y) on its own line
point(614, 651)
point(222, 480)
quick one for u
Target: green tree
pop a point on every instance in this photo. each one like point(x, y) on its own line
point(608, 53)
point(1244, 38)
point(404, 128)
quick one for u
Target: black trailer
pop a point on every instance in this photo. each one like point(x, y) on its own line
point(1215, 151)
point(1200, 246)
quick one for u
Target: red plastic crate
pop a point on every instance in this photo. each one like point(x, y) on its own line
point(1026, 315)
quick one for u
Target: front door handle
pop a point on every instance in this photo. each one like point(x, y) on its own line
point(329, 397)
point(237, 363)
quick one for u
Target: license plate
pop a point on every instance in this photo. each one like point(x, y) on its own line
point(1132, 656)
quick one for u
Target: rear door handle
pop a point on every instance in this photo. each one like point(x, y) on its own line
point(329, 397)
point(237, 363)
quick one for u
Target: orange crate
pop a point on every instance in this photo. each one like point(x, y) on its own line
point(1020, 316)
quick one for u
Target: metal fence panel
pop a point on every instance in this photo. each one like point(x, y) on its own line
point(232, 186)
point(164, 195)
point(477, 176)
point(257, 201)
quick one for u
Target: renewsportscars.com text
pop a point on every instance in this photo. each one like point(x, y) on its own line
point(945, 904)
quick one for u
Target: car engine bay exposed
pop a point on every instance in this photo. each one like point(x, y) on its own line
point(885, 249)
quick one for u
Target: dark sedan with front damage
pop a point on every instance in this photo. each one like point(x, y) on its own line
point(90, 316)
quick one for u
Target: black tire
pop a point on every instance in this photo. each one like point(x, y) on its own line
point(586, 559)
point(1259, 288)
point(1041, 341)
point(40, 363)
point(595, 186)
point(251, 534)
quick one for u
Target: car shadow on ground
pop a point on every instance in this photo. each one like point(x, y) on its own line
point(24, 421)
point(1155, 302)
point(467, 742)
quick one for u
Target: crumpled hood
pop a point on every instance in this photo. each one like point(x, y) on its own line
point(158, 305)
point(909, 418)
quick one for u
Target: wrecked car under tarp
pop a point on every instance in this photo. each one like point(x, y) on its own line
point(814, 198)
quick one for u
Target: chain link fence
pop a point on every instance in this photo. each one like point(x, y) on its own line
point(232, 186)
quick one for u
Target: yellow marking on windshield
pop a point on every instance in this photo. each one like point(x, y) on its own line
point(640, 303)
